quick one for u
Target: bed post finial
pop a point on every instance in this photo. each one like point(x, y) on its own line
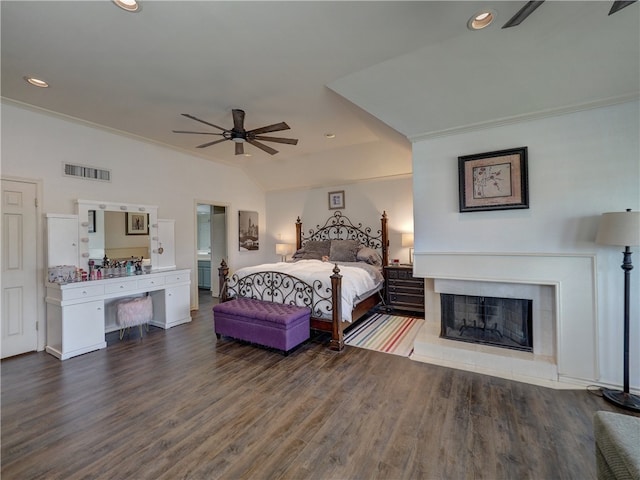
point(223, 272)
point(385, 239)
point(298, 234)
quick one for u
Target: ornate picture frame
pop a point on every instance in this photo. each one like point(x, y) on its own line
point(494, 180)
point(336, 200)
point(248, 231)
point(137, 223)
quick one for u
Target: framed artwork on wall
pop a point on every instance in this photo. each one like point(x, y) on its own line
point(336, 200)
point(248, 233)
point(137, 223)
point(494, 180)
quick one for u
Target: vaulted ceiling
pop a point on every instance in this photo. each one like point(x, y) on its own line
point(377, 74)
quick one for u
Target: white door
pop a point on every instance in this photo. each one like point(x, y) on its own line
point(19, 268)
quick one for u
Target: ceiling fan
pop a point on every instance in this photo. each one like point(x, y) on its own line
point(239, 135)
point(529, 7)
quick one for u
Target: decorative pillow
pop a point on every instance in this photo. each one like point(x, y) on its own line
point(344, 250)
point(313, 250)
point(370, 256)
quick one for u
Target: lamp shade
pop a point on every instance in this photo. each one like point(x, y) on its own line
point(284, 248)
point(619, 228)
point(407, 239)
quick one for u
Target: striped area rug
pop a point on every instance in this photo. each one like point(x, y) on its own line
point(385, 333)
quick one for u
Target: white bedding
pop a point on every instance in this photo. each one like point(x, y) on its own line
point(358, 278)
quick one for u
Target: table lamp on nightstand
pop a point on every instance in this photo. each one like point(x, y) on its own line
point(284, 249)
point(407, 241)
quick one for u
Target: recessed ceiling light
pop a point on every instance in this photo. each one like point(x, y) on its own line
point(128, 5)
point(36, 82)
point(247, 154)
point(330, 135)
point(481, 20)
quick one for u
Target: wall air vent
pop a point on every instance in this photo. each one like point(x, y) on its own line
point(90, 173)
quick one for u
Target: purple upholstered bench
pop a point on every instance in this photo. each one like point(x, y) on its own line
point(265, 323)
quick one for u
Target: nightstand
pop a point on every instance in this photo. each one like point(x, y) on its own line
point(403, 290)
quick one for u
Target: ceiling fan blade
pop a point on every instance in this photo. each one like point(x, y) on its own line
point(238, 119)
point(276, 127)
point(212, 143)
point(522, 14)
point(197, 133)
point(202, 121)
point(239, 148)
point(262, 146)
point(290, 141)
point(619, 5)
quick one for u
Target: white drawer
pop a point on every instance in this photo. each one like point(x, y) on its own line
point(151, 282)
point(177, 278)
point(84, 291)
point(123, 286)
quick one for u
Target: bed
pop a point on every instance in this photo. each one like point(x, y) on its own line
point(338, 291)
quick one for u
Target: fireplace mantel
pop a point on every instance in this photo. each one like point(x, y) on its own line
point(571, 275)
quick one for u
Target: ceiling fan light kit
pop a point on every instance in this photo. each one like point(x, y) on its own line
point(239, 135)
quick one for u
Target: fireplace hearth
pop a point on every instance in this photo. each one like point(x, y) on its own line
point(500, 322)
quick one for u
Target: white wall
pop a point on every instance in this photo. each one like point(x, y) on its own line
point(580, 165)
point(35, 145)
point(364, 203)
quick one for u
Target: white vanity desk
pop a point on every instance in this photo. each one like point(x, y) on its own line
point(80, 314)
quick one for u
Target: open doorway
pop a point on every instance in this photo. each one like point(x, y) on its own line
point(211, 235)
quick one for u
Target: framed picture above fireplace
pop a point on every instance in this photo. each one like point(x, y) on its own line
point(493, 180)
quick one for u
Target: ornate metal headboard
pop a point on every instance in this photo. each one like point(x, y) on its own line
point(340, 227)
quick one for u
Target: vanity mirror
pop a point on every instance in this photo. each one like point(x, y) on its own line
point(118, 231)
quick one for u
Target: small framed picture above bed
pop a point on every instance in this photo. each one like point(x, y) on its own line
point(248, 234)
point(336, 200)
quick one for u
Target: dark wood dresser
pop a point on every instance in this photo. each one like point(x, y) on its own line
point(403, 290)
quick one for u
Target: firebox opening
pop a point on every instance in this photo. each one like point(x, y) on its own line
point(501, 322)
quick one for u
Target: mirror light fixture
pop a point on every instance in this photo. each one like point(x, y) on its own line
point(622, 229)
point(407, 241)
point(284, 249)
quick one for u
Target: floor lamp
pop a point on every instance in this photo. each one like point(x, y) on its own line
point(622, 229)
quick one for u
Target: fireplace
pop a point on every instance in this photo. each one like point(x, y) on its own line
point(562, 290)
point(500, 322)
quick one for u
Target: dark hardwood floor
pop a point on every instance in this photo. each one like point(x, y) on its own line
point(177, 404)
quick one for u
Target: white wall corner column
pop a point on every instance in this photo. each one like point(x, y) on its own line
point(572, 276)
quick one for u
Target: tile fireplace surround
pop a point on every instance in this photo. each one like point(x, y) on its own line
point(563, 290)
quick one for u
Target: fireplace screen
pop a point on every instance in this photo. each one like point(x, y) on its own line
point(502, 322)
